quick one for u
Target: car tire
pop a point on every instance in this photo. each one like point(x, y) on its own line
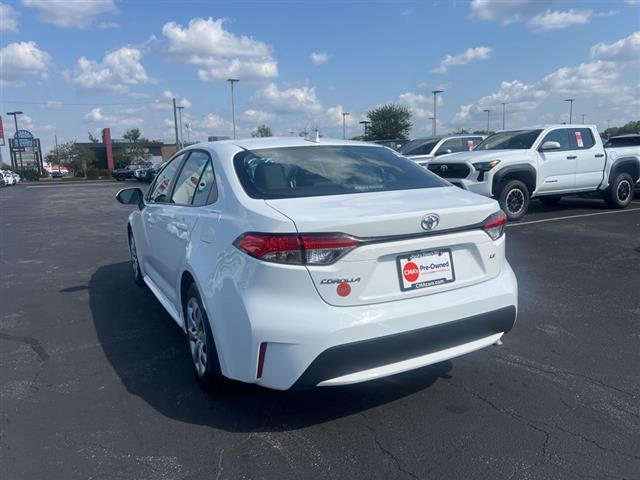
point(620, 192)
point(514, 199)
point(551, 200)
point(119, 178)
point(135, 262)
point(204, 356)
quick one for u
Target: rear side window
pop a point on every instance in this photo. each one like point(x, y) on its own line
point(471, 142)
point(561, 136)
point(206, 192)
point(583, 138)
point(328, 170)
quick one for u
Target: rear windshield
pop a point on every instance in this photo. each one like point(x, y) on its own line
point(419, 147)
point(328, 170)
point(511, 140)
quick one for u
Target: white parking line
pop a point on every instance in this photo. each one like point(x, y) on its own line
point(102, 184)
point(572, 216)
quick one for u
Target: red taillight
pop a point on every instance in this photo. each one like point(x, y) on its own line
point(494, 225)
point(305, 249)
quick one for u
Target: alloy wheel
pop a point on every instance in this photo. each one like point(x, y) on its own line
point(623, 191)
point(197, 336)
point(515, 201)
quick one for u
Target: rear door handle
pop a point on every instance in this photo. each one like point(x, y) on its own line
point(572, 157)
point(599, 155)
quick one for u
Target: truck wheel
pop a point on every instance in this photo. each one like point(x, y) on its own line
point(514, 199)
point(620, 192)
point(551, 199)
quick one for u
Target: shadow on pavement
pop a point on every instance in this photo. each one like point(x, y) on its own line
point(150, 355)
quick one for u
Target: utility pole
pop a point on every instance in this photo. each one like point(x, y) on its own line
point(504, 109)
point(57, 152)
point(488, 112)
point(15, 122)
point(366, 126)
point(435, 92)
point(233, 107)
point(608, 124)
point(175, 124)
point(180, 126)
point(570, 100)
point(344, 124)
point(583, 115)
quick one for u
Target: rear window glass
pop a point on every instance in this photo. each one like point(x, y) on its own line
point(623, 142)
point(328, 170)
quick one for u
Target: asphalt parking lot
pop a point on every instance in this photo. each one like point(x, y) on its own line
point(96, 379)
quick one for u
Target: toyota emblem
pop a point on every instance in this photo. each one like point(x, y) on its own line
point(443, 168)
point(429, 222)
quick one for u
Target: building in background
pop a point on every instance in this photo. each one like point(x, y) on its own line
point(110, 150)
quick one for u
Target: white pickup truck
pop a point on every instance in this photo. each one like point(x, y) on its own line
point(547, 162)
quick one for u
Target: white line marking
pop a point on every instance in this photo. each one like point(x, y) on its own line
point(105, 184)
point(570, 217)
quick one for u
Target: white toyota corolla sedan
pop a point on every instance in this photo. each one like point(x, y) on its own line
point(294, 263)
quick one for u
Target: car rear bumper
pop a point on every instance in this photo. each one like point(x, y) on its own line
point(391, 354)
point(311, 343)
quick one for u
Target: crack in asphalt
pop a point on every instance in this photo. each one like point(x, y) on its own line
point(34, 343)
point(389, 453)
point(511, 359)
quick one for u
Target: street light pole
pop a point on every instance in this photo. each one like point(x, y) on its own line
point(233, 107)
point(570, 100)
point(504, 109)
point(15, 122)
point(175, 124)
point(435, 92)
point(344, 124)
point(583, 115)
point(180, 127)
point(488, 119)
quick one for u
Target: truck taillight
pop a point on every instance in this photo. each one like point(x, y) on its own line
point(494, 225)
point(296, 249)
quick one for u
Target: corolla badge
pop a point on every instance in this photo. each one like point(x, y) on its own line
point(429, 222)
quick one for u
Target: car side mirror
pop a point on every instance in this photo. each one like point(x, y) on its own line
point(131, 196)
point(550, 146)
point(446, 151)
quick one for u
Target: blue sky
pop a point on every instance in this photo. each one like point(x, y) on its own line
point(79, 66)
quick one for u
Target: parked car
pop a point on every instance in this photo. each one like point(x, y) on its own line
point(292, 263)
point(421, 150)
point(395, 144)
point(56, 174)
point(9, 177)
point(547, 162)
point(127, 172)
point(2, 181)
point(147, 174)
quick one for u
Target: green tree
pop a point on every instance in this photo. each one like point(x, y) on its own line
point(73, 156)
point(629, 127)
point(134, 153)
point(460, 131)
point(388, 122)
point(262, 131)
point(93, 138)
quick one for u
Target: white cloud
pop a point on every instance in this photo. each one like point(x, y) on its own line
point(626, 49)
point(556, 19)
point(66, 13)
point(257, 116)
point(122, 119)
point(318, 58)
point(21, 60)
point(211, 121)
point(420, 106)
point(27, 123)
point(8, 18)
point(469, 55)
point(108, 25)
point(54, 104)
point(289, 100)
point(116, 72)
point(217, 53)
point(506, 12)
point(164, 102)
point(587, 78)
point(334, 116)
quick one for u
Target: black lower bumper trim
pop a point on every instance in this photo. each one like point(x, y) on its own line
point(363, 355)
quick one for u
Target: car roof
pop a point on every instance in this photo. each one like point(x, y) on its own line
point(276, 142)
